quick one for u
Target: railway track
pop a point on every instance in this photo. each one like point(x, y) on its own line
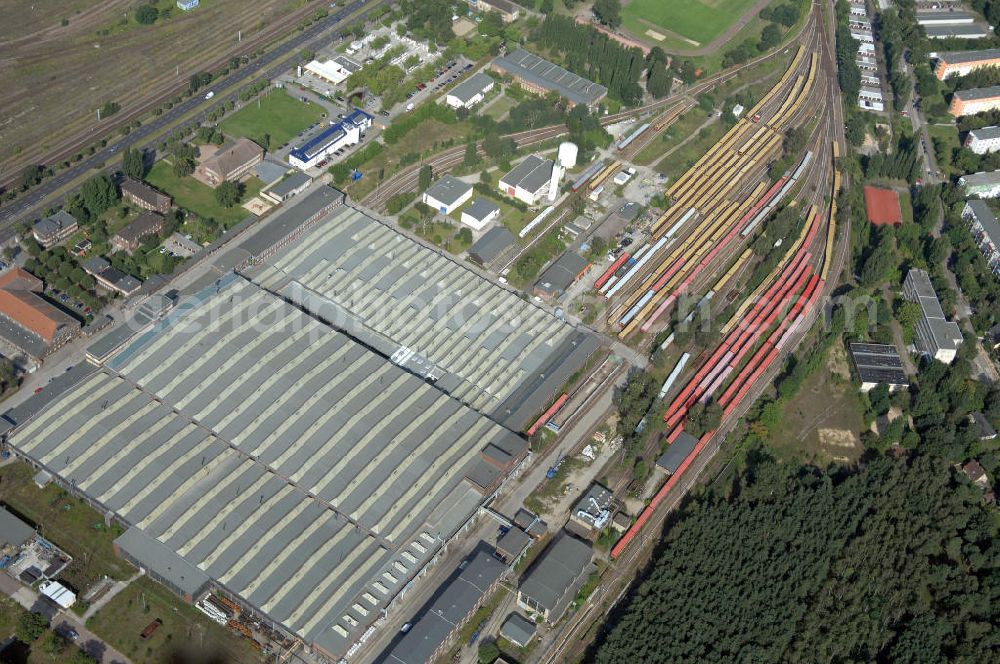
point(52, 190)
point(406, 180)
point(575, 636)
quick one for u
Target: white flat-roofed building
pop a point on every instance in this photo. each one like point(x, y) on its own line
point(447, 194)
point(937, 336)
point(335, 71)
point(984, 140)
point(471, 91)
point(478, 215)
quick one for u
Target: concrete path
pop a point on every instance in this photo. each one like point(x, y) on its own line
point(116, 588)
point(62, 621)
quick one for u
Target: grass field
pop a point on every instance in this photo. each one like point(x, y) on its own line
point(94, 60)
point(500, 107)
point(948, 135)
point(192, 195)
point(686, 154)
point(822, 422)
point(699, 21)
point(68, 522)
point(186, 635)
point(279, 115)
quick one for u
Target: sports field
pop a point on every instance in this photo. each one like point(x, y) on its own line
point(696, 22)
point(279, 115)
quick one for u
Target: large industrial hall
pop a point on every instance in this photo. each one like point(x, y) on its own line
point(254, 448)
point(477, 341)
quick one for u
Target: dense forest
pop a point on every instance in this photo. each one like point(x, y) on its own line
point(895, 562)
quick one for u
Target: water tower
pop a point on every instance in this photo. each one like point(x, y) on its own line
point(565, 160)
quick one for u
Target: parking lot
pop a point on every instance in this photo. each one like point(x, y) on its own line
point(446, 76)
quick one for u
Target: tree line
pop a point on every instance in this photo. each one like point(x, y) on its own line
point(590, 53)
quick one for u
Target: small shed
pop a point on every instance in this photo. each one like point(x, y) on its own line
point(678, 451)
point(58, 593)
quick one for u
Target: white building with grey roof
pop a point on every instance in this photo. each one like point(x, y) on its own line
point(470, 92)
point(529, 181)
point(936, 335)
point(251, 448)
point(985, 231)
point(447, 194)
point(478, 215)
point(984, 140)
point(981, 185)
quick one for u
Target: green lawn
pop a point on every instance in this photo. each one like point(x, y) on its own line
point(199, 198)
point(500, 107)
point(674, 165)
point(186, 635)
point(699, 21)
point(947, 134)
point(278, 114)
point(68, 522)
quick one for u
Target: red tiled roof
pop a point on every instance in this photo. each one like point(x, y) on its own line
point(21, 302)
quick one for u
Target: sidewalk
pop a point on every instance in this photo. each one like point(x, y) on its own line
point(62, 621)
point(116, 588)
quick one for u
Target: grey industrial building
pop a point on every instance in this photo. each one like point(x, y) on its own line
point(494, 243)
point(677, 452)
point(434, 628)
point(556, 578)
point(562, 274)
point(541, 76)
point(252, 448)
point(435, 317)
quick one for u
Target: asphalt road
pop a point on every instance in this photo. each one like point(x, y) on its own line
point(29, 204)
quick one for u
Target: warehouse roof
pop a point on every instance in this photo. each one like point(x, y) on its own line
point(448, 190)
point(678, 451)
point(13, 530)
point(493, 243)
point(239, 416)
point(531, 174)
point(878, 363)
point(555, 578)
point(549, 76)
point(21, 301)
point(944, 16)
point(513, 542)
point(432, 315)
point(293, 182)
point(472, 86)
point(561, 274)
point(451, 605)
point(965, 57)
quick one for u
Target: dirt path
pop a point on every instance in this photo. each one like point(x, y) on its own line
point(716, 43)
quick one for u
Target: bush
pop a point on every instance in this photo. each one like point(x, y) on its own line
point(31, 626)
point(146, 15)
